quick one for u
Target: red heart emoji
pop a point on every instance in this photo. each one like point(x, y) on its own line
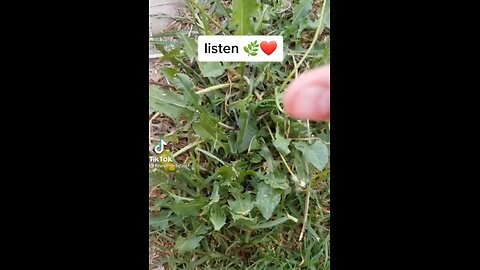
point(268, 47)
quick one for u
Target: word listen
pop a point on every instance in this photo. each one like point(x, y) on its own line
point(220, 49)
point(240, 48)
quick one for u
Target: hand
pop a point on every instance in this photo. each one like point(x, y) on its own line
point(308, 96)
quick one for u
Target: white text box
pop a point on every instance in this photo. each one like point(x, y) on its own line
point(232, 48)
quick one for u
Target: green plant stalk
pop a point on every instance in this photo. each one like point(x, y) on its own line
point(211, 155)
point(200, 8)
point(260, 21)
point(212, 88)
point(307, 199)
point(188, 68)
point(192, 11)
point(305, 212)
point(275, 222)
point(186, 148)
point(315, 37)
point(247, 236)
point(242, 72)
point(206, 27)
point(277, 99)
point(281, 156)
point(176, 197)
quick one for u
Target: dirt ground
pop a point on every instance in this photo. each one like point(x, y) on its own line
point(159, 12)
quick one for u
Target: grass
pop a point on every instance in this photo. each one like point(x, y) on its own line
point(249, 187)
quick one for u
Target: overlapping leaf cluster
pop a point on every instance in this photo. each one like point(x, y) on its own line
point(237, 197)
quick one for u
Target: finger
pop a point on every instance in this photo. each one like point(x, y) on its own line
point(308, 96)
